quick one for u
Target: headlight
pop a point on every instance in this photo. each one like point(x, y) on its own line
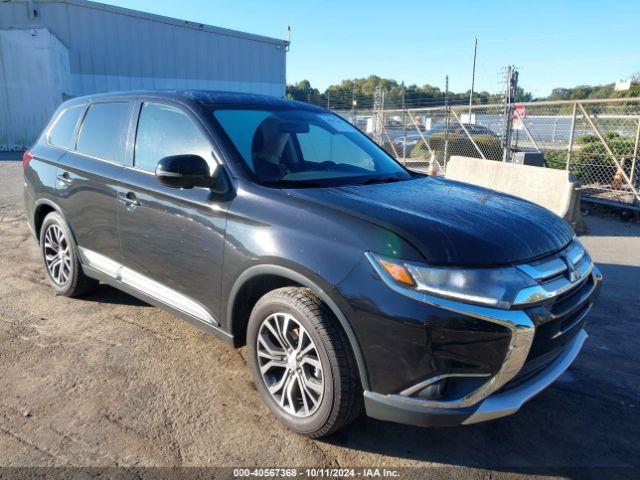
point(494, 287)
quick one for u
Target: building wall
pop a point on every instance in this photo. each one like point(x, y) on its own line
point(34, 74)
point(111, 48)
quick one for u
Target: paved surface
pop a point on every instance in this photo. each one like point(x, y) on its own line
point(107, 380)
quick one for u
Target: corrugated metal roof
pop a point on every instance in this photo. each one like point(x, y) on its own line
point(115, 49)
point(161, 19)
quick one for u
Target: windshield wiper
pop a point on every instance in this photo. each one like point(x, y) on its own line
point(370, 181)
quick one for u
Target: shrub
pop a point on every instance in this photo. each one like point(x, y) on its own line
point(590, 161)
point(610, 135)
point(556, 159)
point(590, 138)
point(586, 138)
point(459, 145)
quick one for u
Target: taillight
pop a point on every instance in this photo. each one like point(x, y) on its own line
point(26, 158)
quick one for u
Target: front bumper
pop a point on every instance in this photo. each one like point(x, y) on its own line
point(397, 408)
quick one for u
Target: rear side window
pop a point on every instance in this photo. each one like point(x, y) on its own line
point(62, 133)
point(164, 131)
point(101, 132)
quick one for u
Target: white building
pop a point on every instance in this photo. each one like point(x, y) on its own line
point(56, 49)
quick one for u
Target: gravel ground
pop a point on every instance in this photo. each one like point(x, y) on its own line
point(110, 381)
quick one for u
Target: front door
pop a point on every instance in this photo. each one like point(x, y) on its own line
point(172, 239)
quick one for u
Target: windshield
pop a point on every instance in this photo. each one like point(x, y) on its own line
point(303, 148)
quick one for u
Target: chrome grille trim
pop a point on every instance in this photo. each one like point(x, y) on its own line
point(544, 269)
point(575, 252)
point(556, 275)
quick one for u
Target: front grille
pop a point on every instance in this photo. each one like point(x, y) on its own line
point(559, 321)
point(569, 279)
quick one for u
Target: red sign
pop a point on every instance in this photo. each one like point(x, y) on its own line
point(520, 110)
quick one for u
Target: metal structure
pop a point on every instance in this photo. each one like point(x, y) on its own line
point(511, 86)
point(34, 78)
point(112, 48)
point(597, 140)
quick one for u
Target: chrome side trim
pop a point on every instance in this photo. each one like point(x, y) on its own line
point(510, 401)
point(146, 285)
point(516, 321)
point(100, 262)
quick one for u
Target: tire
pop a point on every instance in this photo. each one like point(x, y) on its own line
point(325, 393)
point(67, 278)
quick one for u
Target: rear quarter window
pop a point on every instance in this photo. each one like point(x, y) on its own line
point(62, 133)
point(101, 132)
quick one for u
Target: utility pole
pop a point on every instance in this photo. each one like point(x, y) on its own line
point(353, 106)
point(473, 74)
point(507, 116)
point(328, 99)
point(404, 131)
point(446, 119)
point(378, 114)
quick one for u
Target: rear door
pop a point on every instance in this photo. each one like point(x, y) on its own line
point(172, 239)
point(87, 179)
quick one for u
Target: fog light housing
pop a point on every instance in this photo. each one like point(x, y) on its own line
point(435, 391)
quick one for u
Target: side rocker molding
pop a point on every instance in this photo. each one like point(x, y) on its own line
point(292, 275)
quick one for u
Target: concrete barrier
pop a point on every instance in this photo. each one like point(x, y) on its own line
point(556, 190)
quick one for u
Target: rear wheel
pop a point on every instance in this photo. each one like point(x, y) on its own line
point(60, 257)
point(302, 363)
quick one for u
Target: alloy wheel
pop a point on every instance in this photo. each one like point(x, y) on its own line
point(289, 364)
point(57, 254)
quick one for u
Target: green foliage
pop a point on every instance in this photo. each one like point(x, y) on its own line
point(586, 138)
point(301, 90)
point(362, 89)
point(583, 92)
point(556, 159)
point(590, 138)
point(590, 160)
point(610, 135)
point(620, 146)
point(459, 145)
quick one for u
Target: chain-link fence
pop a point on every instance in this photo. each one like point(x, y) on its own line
point(597, 140)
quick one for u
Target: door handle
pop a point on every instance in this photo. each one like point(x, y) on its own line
point(129, 200)
point(65, 178)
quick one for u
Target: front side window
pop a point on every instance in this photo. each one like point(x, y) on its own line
point(101, 132)
point(165, 131)
point(289, 147)
point(62, 133)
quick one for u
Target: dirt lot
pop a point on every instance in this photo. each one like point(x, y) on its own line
point(110, 381)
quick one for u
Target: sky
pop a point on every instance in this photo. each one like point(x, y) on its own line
point(560, 43)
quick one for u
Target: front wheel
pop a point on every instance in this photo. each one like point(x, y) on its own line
point(302, 363)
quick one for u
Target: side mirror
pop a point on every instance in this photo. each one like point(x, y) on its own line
point(185, 171)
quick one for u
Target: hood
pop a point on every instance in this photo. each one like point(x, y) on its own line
point(451, 222)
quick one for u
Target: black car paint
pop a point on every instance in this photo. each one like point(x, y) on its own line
point(207, 245)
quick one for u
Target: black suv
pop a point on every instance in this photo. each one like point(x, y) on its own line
point(278, 225)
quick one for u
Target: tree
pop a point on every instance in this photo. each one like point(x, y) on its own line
point(341, 95)
point(301, 90)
